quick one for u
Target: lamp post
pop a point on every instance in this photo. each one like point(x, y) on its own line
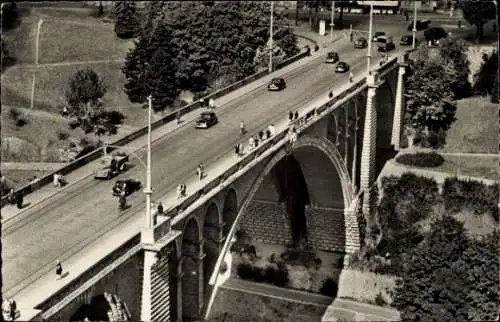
point(414, 27)
point(332, 24)
point(270, 68)
point(369, 54)
point(147, 190)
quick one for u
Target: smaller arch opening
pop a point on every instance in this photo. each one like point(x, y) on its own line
point(230, 210)
point(96, 310)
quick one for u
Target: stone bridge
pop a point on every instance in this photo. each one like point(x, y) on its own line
point(325, 168)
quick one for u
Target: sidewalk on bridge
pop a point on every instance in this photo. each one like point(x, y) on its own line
point(87, 170)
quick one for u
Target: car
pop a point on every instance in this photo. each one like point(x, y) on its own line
point(421, 25)
point(206, 120)
point(407, 40)
point(361, 43)
point(342, 67)
point(276, 84)
point(127, 185)
point(332, 57)
point(377, 35)
point(111, 165)
point(385, 44)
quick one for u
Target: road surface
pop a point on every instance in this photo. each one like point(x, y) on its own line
point(62, 225)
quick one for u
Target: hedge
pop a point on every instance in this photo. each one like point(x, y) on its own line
point(276, 276)
point(423, 160)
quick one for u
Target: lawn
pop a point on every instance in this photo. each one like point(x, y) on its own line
point(476, 128)
point(38, 140)
point(249, 307)
point(18, 178)
point(20, 41)
point(474, 166)
point(64, 41)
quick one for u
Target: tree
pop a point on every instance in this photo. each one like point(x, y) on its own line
point(453, 54)
point(83, 93)
point(433, 286)
point(126, 23)
point(10, 14)
point(160, 79)
point(486, 79)
point(429, 97)
point(478, 13)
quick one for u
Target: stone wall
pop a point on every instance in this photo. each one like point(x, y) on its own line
point(267, 222)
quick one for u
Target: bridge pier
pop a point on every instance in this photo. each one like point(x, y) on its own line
point(399, 104)
point(369, 148)
point(192, 282)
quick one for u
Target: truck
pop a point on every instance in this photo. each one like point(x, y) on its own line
point(111, 165)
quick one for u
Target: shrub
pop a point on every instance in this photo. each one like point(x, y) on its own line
point(62, 135)
point(379, 300)
point(278, 277)
point(14, 114)
point(21, 122)
point(245, 271)
point(424, 160)
point(473, 195)
point(113, 117)
point(436, 139)
point(271, 275)
point(73, 124)
point(329, 288)
point(223, 267)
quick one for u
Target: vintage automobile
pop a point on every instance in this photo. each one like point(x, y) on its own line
point(276, 84)
point(385, 44)
point(206, 120)
point(127, 185)
point(421, 25)
point(342, 67)
point(361, 43)
point(407, 40)
point(332, 57)
point(111, 165)
point(377, 35)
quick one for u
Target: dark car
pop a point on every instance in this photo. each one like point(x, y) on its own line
point(377, 35)
point(407, 40)
point(206, 120)
point(332, 57)
point(342, 67)
point(434, 34)
point(276, 84)
point(361, 43)
point(421, 25)
point(385, 44)
point(127, 185)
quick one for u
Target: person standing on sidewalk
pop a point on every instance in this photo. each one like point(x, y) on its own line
point(237, 149)
point(12, 309)
point(59, 270)
point(178, 117)
point(351, 77)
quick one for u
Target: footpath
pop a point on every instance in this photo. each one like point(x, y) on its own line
point(340, 309)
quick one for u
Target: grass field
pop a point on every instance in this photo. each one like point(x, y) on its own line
point(483, 167)
point(476, 128)
point(20, 42)
point(64, 41)
point(249, 307)
point(18, 178)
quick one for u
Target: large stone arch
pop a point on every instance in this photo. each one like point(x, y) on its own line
point(192, 268)
point(212, 240)
point(230, 209)
point(324, 171)
point(102, 307)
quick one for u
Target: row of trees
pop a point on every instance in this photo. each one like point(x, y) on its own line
point(191, 45)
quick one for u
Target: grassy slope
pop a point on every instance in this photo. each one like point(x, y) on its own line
point(249, 307)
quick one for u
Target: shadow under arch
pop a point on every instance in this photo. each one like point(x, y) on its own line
point(192, 287)
point(212, 236)
point(96, 310)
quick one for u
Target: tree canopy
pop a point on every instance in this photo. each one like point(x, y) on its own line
point(209, 41)
point(449, 277)
point(83, 93)
point(478, 13)
point(486, 79)
point(126, 22)
point(453, 55)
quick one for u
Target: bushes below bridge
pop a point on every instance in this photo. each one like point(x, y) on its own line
point(416, 234)
point(272, 275)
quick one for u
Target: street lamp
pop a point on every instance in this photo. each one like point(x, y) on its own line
point(148, 231)
point(414, 26)
point(369, 55)
point(270, 68)
point(332, 24)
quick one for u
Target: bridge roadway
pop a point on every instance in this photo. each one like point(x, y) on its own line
point(58, 227)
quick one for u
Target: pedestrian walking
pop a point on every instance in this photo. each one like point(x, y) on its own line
point(268, 134)
point(160, 208)
point(256, 140)
point(19, 200)
point(178, 117)
point(12, 309)
point(351, 77)
point(272, 129)
point(200, 171)
point(211, 103)
point(59, 270)
point(261, 135)
point(242, 128)
point(290, 116)
point(296, 115)
point(330, 95)
point(179, 191)
point(251, 143)
point(237, 149)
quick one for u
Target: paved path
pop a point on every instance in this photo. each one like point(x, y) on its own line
point(277, 292)
point(355, 311)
